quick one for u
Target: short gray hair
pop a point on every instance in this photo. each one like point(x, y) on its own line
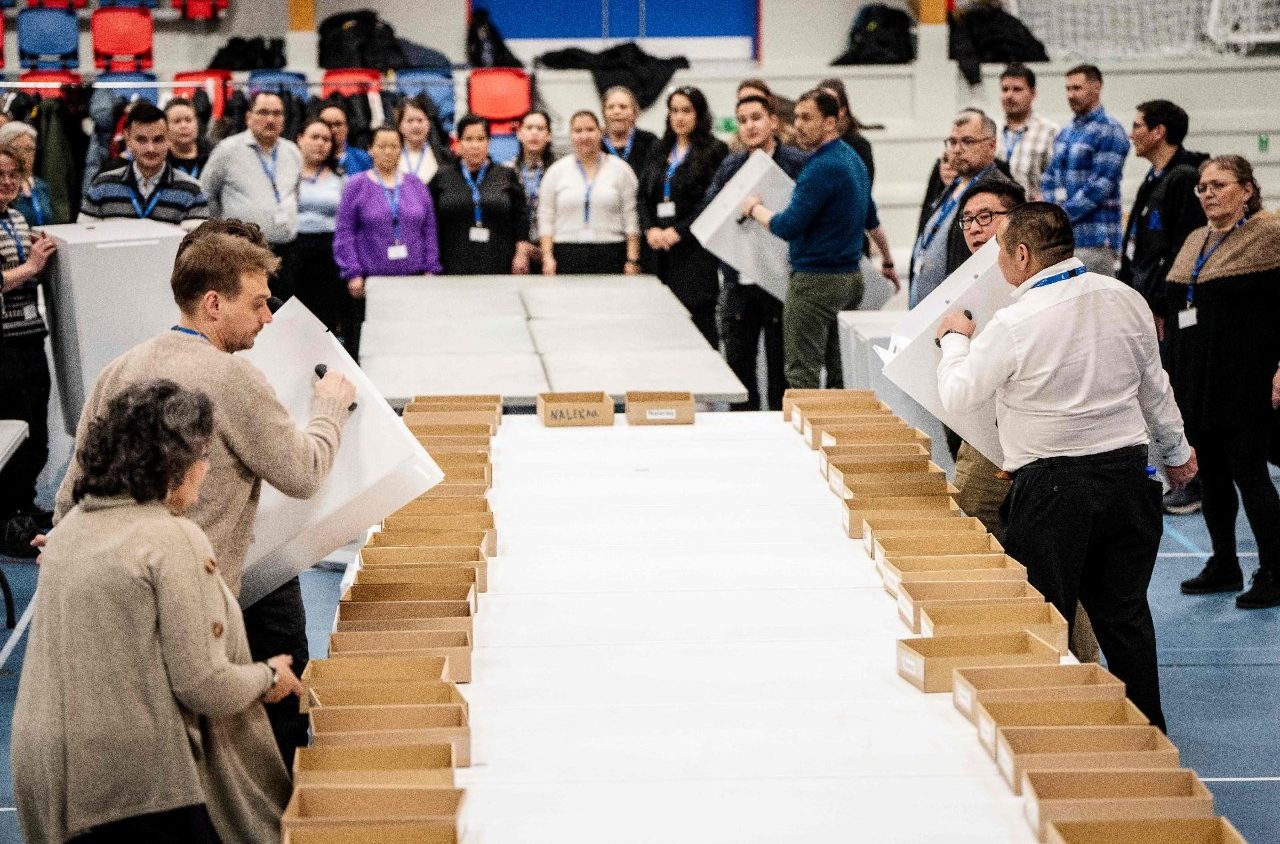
point(968, 115)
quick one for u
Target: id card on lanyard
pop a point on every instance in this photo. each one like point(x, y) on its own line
point(397, 251)
point(945, 209)
point(281, 217)
point(1188, 316)
point(667, 208)
point(478, 233)
point(625, 155)
point(586, 234)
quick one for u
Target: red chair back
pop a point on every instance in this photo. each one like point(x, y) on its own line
point(212, 82)
point(122, 38)
point(501, 95)
point(62, 77)
point(350, 81)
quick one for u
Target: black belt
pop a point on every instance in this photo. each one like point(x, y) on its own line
point(1130, 454)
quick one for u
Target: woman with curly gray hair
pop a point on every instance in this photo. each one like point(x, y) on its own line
point(138, 715)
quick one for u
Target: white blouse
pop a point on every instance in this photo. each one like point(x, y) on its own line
point(562, 212)
point(423, 165)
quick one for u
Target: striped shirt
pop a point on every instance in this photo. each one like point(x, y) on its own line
point(22, 323)
point(117, 193)
point(1084, 177)
point(1027, 152)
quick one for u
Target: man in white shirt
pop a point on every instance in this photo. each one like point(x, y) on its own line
point(1074, 367)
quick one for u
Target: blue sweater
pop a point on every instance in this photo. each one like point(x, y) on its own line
point(830, 210)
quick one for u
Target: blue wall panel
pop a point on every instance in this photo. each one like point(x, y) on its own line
point(587, 18)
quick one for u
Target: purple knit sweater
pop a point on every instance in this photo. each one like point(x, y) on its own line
point(364, 230)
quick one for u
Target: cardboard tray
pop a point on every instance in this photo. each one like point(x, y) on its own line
point(1044, 621)
point(952, 568)
point(471, 430)
point(445, 555)
point(566, 410)
point(405, 615)
point(451, 573)
point(858, 509)
point(829, 453)
point(814, 424)
point(937, 545)
point(448, 445)
point(486, 539)
point(915, 521)
point(382, 593)
point(470, 398)
point(852, 405)
point(395, 725)
point(1051, 796)
point(457, 489)
point(355, 671)
point(876, 434)
point(454, 645)
point(860, 429)
point(931, 482)
point(1022, 749)
point(840, 468)
point(806, 395)
point(428, 506)
point(1087, 681)
point(913, 597)
point(657, 408)
point(417, 415)
point(991, 716)
point(429, 765)
point(1148, 831)
point(387, 693)
point(334, 805)
point(928, 664)
point(339, 832)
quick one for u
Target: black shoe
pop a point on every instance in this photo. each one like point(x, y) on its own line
point(1263, 592)
point(1182, 502)
point(15, 541)
point(1216, 577)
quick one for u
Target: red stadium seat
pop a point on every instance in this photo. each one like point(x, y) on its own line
point(501, 95)
point(212, 82)
point(350, 81)
point(201, 10)
point(122, 39)
point(62, 77)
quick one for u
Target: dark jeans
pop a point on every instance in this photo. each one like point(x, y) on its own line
point(747, 312)
point(187, 825)
point(277, 624)
point(1231, 459)
point(1088, 529)
point(590, 258)
point(283, 283)
point(24, 394)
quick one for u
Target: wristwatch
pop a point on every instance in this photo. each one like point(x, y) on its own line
point(938, 341)
point(275, 675)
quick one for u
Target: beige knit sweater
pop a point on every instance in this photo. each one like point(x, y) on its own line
point(255, 438)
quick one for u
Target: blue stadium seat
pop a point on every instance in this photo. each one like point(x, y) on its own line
point(144, 92)
point(279, 81)
point(48, 39)
point(434, 83)
point(128, 4)
point(503, 148)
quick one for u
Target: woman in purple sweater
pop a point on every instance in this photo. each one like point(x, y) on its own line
point(386, 225)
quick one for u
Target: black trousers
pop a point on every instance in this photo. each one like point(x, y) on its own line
point(1088, 529)
point(747, 311)
point(277, 624)
point(24, 394)
point(186, 825)
point(283, 283)
point(590, 258)
point(1238, 458)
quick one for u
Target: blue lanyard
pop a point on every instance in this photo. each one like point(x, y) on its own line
point(35, 207)
point(192, 170)
point(1205, 256)
point(408, 162)
point(271, 170)
point(143, 213)
point(532, 182)
point(945, 210)
point(1062, 276)
point(586, 198)
point(673, 163)
point(625, 155)
point(474, 184)
point(12, 230)
point(393, 200)
point(1017, 139)
point(184, 330)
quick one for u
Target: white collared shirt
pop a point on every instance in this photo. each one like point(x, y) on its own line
point(1074, 369)
point(145, 185)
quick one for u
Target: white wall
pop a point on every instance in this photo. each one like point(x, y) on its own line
point(805, 33)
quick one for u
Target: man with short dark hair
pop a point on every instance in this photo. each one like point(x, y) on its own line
point(1085, 171)
point(1026, 138)
point(150, 187)
point(1074, 368)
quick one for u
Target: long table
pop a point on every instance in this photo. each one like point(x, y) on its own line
point(679, 644)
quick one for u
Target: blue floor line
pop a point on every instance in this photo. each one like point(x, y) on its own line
point(1181, 538)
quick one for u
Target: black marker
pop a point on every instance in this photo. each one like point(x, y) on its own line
point(321, 369)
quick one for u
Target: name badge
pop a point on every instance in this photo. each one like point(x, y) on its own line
point(1060, 195)
point(478, 234)
point(281, 218)
point(1131, 249)
point(586, 235)
point(666, 210)
point(1186, 317)
point(397, 252)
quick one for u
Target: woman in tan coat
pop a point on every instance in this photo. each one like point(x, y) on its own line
point(138, 715)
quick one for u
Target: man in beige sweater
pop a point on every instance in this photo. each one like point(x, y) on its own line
point(220, 284)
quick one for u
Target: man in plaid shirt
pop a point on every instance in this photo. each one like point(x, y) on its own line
point(1026, 139)
point(1084, 174)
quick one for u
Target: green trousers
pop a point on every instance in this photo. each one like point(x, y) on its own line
point(809, 325)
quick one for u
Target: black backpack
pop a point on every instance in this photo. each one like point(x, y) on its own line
point(359, 39)
point(880, 35)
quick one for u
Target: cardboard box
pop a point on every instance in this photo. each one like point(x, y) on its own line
point(1087, 681)
point(935, 544)
point(991, 716)
point(858, 429)
point(448, 522)
point(450, 414)
point(382, 593)
point(914, 597)
point(840, 468)
point(1146, 831)
point(1044, 621)
point(426, 506)
point(354, 671)
point(405, 615)
point(859, 508)
point(564, 410)
point(388, 693)
point(469, 474)
point(828, 453)
point(454, 645)
point(395, 725)
point(343, 806)
point(429, 765)
point(930, 482)
point(476, 457)
point(444, 445)
point(444, 555)
point(441, 574)
point(814, 423)
point(958, 567)
point(484, 539)
point(905, 520)
point(479, 398)
point(928, 664)
point(1022, 749)
point(866, 435)
point(659, 408)
point(470, 430)
point(457, 489)
point(1052, 796)
point(803, 414)
point(803, 395)
point(409, 832)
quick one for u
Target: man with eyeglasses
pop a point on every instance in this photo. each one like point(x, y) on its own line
point(940, 246)
point(253, 176)
point(352, 159)
point(1084, 174)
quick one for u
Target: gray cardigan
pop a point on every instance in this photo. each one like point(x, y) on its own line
point(134, 638)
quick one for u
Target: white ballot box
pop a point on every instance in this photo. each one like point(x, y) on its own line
point(913, 357)
point(108, 291)
point(379, 468)
point(749, 247)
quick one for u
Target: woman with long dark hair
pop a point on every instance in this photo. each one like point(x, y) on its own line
point(423, 152)
point(319, 284)
point(532, 160)
point(672, 185)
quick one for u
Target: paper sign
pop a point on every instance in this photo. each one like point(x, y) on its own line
point(380, 466)
point(749, 247)
point(912, 359)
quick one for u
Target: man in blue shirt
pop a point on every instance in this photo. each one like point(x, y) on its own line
point(824, 225)
point(1084, 173)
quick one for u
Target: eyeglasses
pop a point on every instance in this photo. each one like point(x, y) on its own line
point(275, 112)
point(1215, 187)
point(965, 142)
point(10, 176)
point(982, 218)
